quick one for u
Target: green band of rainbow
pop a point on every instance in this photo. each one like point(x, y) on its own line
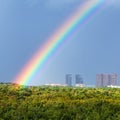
point(42, 55)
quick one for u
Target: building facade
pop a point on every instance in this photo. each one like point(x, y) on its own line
point(103, 80)
point(78, 79)
point(69, 79)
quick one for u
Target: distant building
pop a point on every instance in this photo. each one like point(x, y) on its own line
point(80, 85)
point(103, 80)
point(78, 79)
point(69, 79)
point(56, 85)
point(111, 86)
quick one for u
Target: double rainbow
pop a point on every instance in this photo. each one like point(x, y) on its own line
point(40, 58)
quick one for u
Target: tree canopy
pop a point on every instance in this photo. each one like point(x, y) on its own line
point(58, 103)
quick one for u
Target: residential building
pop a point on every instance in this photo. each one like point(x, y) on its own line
point(78, 79)
point(103, 80)
point(69, 79)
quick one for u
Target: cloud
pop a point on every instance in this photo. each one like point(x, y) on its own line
point(51, 3)
point(114, 3)
point(32, 3)
point(61, 2)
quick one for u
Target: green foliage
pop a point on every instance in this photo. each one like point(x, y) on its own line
point(58, 103)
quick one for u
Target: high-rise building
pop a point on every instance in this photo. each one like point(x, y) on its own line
point(69, 79)
point(103, 80)
point(78, 79)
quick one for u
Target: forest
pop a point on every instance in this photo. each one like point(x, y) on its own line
point(58, 103)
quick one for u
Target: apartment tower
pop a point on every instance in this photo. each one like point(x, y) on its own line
point(103, 80)
point(69, 79)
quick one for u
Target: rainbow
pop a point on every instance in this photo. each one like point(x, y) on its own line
point(40, 58)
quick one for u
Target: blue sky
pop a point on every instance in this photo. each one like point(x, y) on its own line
point(26, 24)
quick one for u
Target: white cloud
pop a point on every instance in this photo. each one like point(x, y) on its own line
point(61, 2)
point(114, 3)
point(33, 3)
point(51, 3)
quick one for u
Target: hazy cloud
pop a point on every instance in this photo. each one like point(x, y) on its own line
point(51, 3)
point(114, 3)
point(33, 3)
point(61, 2)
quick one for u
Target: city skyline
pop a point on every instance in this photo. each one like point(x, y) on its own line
point(102, 80)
